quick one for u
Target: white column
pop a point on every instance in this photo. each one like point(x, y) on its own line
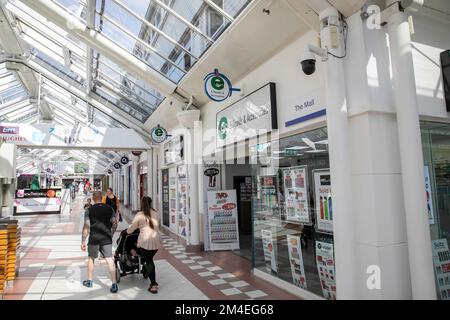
point(150, 177)
point(126, 200)
point(340, 166)
point(134, 189)
point(418, 231)
point(193, 183)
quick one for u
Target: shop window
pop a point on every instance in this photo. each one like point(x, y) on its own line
point(292, 212)
point(436, 151)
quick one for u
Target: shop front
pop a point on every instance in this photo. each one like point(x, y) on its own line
point(174, 204)
point(436, 151)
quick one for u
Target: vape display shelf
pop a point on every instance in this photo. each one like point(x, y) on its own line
point(3, 257)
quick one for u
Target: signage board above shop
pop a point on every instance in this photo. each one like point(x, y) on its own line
point(254, 115)
point(310, 106)
point(44, 134)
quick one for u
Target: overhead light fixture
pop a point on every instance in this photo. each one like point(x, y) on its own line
point(297, 148)
point(322, 142)
point(309, 143)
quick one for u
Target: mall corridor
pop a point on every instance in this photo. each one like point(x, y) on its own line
point(52, 266)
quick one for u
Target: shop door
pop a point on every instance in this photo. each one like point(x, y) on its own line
point(243, 187)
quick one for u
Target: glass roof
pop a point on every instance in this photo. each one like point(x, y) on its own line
point(169, 36)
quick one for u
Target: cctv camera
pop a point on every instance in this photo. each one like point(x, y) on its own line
point(309, 58)
point(308, 63)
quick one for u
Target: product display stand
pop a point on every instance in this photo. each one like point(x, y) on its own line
point(12, 267)
point(3, 258)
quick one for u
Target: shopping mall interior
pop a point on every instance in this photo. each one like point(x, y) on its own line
point(288, 149)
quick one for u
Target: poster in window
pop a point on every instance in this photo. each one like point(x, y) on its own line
point(296, 261)
point(324, 206)
point(269, 251)
point(441, 261)
point(173, 199)
point(429, 195)
point(296, 195)
point(182, 202)
point(223, 220)
point(325, 267)
point(211, 182)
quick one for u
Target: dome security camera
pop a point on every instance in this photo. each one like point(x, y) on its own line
point(309, 58)
point(308, 63)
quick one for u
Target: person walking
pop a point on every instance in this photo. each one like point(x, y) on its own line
point(100, 223)
point(149, 240)
point(111, 200)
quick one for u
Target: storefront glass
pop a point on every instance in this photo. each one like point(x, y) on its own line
point(436, 151)
point(292, 212)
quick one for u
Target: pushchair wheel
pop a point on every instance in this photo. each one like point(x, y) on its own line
point(117, 275)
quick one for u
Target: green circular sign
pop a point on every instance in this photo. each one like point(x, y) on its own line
point(222, 128)
point(159, 134)
point(217, 83)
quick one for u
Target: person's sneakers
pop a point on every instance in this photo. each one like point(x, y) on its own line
point(88, 283)
point(114, 288)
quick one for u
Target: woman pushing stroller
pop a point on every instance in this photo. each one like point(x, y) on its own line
point(149, 240)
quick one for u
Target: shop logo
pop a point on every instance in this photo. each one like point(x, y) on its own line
point(221, 195)
point(222, 128)
point(117, 165)
point(124, 160)
point(159, 134)
point(211, 172)
point(218, 87)
point(9, 130)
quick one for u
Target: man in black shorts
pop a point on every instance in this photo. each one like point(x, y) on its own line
point(100, 224)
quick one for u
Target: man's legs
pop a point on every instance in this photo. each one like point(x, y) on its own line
point(106, 252)
point(90, 268)
point(111, 269)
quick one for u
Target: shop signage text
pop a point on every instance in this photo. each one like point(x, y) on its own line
point(306, 108)
point(218, 87)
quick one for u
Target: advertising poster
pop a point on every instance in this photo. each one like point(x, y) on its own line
point(324, 208)
point(429, 195)
point(296, 261)
point(441, 260)
point(211, 182)
point(182, 202)
point(173, 199)
point(325, 267)
point(165, 198)
point(269, 251)
point(222, 220)
point(296, 194)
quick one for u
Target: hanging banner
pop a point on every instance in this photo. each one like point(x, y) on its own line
point(222, 220)
point(296, 195)
point(211, 182)
point(325, 267)
point(218, 87)
point(296, 261)
point(441, 260)
point(324, 208)
point(182, 202)
point(429, 195)
point(269, 251)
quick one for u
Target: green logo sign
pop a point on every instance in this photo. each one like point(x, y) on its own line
point(217, 83)
point(222, 128)
point(159, 134)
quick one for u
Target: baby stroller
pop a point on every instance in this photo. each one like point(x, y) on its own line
point(127, 258)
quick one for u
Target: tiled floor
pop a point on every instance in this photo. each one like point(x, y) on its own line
point(52, 266)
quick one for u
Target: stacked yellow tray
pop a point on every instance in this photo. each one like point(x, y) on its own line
point(3, 257)
point(13, 245)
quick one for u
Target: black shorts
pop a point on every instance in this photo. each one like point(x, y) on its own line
point(105, 250)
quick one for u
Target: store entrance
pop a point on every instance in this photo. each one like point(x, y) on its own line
point(243, 187)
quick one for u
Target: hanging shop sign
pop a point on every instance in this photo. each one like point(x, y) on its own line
point(110, 171)
point(254, 115)
point(325, 267)
point(183, 220)
point(429, 195)
point(310, 106)
point(117, 165)
point(124, 160)
point(218, 87)
point(296, 194)
point(324, 208)
point(174, 150)
point(223, 221)
point(441, 260)
point(159, 134)
point(136, 153)
point(269, 251)
point(296, 261)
